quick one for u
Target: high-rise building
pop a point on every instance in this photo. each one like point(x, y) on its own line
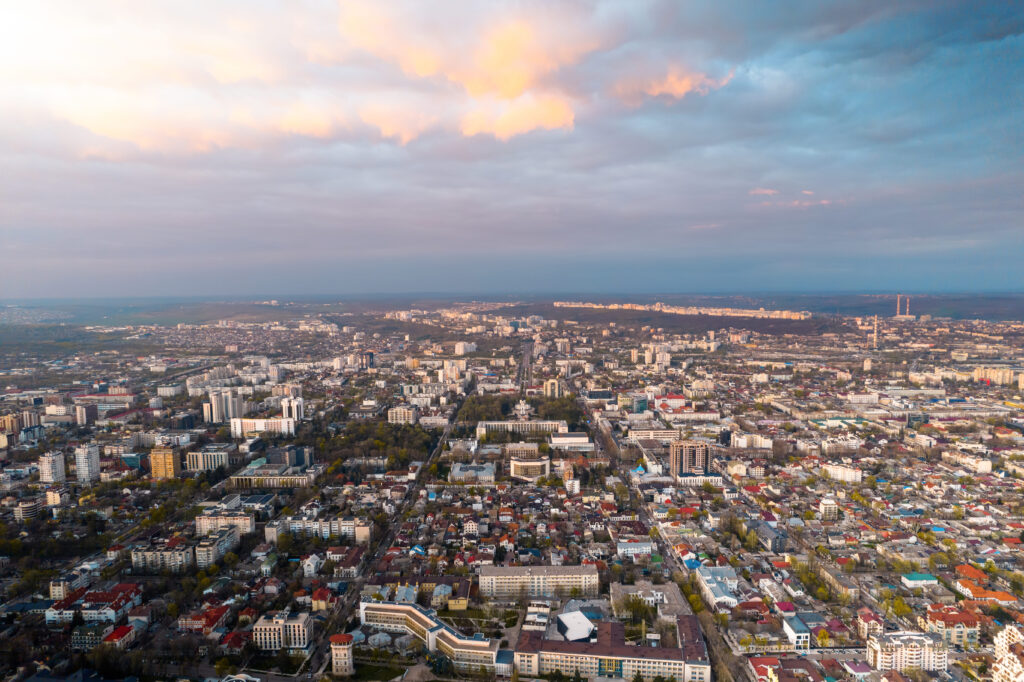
point(293, 408)
point(224, 406)
point(688, 457)
point(87, 463)
point(10, 423)
point(86, 414)
point(51, 468)
point(552, 389)
point(164, 463)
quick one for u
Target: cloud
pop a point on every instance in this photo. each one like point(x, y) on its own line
point(677, 83)
point(505, 120)
point(399, 123)
point(763, 191)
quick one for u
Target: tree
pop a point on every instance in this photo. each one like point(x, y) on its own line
point(223, 667)
point(638, 677)
point(823, 638)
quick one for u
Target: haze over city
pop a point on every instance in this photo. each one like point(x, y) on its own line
point(331, 148)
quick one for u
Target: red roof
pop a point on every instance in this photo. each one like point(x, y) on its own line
point(341, 639)
point(118, 633)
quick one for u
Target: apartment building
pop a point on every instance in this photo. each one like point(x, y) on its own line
point(164, 463)
point(907, 650)
point(339, 526)
point(275, 426)
point(688, 457)
point(956, 627)
point(217, 519)
point(175, 558)
point(1009, 650)
point(467, 654)
point(51, 468)
point(87, 463)
point(403, 414)
point(212, 548)
point(843, 473)
point(538, 581)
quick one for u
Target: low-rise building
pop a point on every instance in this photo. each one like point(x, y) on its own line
point(538, 581)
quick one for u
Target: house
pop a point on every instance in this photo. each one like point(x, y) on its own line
point(311, 565)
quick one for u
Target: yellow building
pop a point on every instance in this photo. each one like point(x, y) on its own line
point(164, 463)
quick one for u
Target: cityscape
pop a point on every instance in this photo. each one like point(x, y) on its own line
point(511, 341)
point(498, 490)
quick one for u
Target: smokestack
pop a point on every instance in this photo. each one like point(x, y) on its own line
point(875, 340)
point(908, 305)
point(898, 296)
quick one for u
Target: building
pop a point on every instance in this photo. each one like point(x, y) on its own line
point(283, 630)
point(261, 474)
point(173, 557)
point(216, 519)
point(279, 426)
point(1009, 651)
point(223, 406)
point(350, 527)
point(212, 548)
point(552, 389)
point(341, 655)
point(797, 632)
point(688, 457)
point(87, 463)
point(293, 408)
point(868, 623)
point(907, 650)
point(538, 581)
point(607, 655)
point(208, 458)
point(51, 468)
point(955, 626)
point(577, 441)
point(524, 428)
point(403, 414)
point(717, 585)
point(529, 468)
point(86, 414)
point(843, 474)
point(26, 510)
point(164, 463)
point(828, 509)
point(467, 654)
point(471, 473)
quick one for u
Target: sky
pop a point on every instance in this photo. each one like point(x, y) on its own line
point(321, 147)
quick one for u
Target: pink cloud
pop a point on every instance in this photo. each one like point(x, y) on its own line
point(763, 191)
